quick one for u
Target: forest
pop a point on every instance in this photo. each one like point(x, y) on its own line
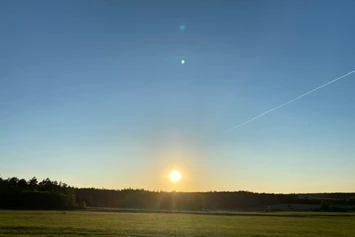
point(47, 194)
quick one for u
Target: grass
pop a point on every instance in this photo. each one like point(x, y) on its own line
point(76, 223)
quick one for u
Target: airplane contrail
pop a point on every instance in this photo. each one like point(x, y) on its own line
point(290, 101)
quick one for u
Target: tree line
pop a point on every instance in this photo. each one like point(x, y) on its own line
point(48, 194)
point(31, 194)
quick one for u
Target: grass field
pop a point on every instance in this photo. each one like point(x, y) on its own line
point(83, 223)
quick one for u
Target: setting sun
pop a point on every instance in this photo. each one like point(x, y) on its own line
point(175, 176)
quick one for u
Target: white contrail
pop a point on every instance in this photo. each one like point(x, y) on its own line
point(288, 102)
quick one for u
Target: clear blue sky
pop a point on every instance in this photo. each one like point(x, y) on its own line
point(93, 93)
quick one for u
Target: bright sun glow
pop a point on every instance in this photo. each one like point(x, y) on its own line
point(175, 176)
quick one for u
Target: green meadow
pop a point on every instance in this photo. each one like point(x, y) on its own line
point(87, 223)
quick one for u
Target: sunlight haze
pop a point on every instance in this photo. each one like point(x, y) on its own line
point(115, 94)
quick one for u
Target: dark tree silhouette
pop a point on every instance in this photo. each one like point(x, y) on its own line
point(48, 194)
point(32, 183)
point(325, 205)
point(22, 184)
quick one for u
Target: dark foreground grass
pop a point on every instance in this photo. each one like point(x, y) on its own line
point(45, 223)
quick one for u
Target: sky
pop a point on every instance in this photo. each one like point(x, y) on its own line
point(95, 94)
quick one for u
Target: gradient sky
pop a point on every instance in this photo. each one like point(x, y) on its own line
point(93, 93)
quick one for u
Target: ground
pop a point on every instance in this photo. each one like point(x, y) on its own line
point(85, 223)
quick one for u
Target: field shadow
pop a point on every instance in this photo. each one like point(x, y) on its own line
point(34, 230)
point(61, 231)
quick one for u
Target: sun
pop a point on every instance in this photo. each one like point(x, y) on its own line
point(174, 176)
